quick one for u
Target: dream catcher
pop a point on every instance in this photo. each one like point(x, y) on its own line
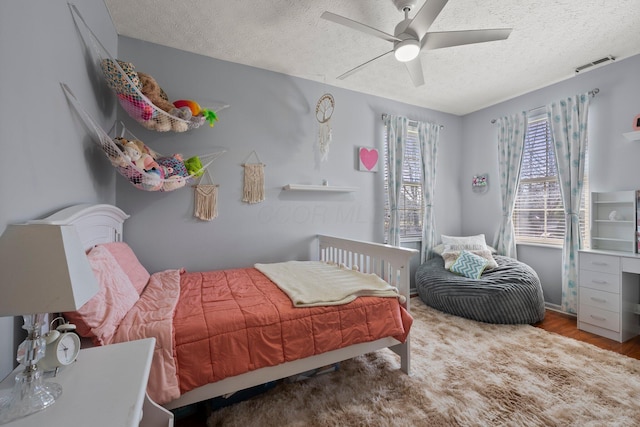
point(324, 110)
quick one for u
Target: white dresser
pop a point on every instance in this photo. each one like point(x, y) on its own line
point(609, 294)
point(106, 386)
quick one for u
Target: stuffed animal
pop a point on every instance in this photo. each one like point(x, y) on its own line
point(118, 157)
point(194, 166)
point(122, 78)
point(152, 90)
point(141, 159)
point(160, 121)
point(173, 166)
point(173, 183)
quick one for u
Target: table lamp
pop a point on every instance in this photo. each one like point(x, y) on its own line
point(43, 269)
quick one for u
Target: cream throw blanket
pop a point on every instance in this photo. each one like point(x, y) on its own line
point(316, 283)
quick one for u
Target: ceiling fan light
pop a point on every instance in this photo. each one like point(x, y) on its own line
point(407, 50)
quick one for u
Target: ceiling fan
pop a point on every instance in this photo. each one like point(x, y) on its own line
point(411, 36)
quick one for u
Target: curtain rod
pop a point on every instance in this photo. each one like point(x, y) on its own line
point(592, 93)
point(413, 122)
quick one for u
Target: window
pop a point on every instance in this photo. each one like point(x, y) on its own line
point(538, 215)
point(410, 204)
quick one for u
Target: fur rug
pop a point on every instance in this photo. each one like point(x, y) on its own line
point(464, 373)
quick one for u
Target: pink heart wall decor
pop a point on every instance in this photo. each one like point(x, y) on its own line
point(369, 158)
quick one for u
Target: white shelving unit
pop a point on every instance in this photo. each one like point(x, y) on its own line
point(327, 188)
point(613, 234)
point(632, 136)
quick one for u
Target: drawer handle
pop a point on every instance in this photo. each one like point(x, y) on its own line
point(598, 299)
point(602, 264)
point(600, 282)
point(593, 316)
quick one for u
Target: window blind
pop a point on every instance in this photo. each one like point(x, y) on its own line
point(539, 210)
point(410, 204)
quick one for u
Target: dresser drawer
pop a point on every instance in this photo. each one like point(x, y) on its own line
point(600, 281)
point(598, 262)
point(600, 299)
point(631, 265)
point(599, 317)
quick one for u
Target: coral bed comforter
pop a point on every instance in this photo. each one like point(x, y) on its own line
point(213, 325)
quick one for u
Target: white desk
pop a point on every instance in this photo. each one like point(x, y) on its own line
point(106, 386)
point(609, 294)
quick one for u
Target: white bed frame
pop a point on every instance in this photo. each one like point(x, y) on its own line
point(103, 223)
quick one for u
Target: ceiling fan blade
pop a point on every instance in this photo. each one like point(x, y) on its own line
point(415, 71)
point(428, 13)
point(361, 66)
point(458, 38)
point(358, 26)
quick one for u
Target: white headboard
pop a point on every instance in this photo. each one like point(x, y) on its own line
point(95, 223)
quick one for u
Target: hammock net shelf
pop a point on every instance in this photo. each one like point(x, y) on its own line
point(152, 171)
point(129, 85)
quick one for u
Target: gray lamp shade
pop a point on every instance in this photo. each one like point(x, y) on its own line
point(43, 269)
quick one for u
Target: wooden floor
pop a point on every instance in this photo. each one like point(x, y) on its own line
point(566, 325)
point(554, 321)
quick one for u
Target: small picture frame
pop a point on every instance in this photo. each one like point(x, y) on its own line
point(368, 159)
point(480, 183)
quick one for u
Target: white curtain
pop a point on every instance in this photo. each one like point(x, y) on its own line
point(568, 119)
point(511, 134)
point(428, 136)
point(396, 137)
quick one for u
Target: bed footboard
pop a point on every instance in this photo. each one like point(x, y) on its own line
point(391, 263)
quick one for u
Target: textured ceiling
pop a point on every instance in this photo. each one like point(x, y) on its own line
point(550, 39)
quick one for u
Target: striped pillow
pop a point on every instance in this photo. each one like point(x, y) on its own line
point(469, 265)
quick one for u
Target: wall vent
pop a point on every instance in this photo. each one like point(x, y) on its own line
point(600, 61)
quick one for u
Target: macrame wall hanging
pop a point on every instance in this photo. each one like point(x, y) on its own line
point(253, 191)
point(324, 110)
point(205, 205)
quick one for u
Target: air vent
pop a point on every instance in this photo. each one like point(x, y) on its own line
point(600, 61)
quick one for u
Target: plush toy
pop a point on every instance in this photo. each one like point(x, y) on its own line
point(160, 121)
point(152, 90)
point(173, 183)
point(173, 166)
point(136, 107)
point(119, 158)
point(122, 78)
point(141, 159)
point(146, 149)
point(194, 166)
point(196, 110)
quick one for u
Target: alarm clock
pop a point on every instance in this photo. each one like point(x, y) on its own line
point(62, 347)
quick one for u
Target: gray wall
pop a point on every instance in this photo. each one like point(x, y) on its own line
point(270, 113)
point(613, 159)
point(47, 162)
point(274, 115)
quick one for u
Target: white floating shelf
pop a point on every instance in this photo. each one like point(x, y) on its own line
point(307, 187)
point(632, 136)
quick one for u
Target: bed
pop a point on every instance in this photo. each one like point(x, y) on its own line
point(245, 346)
point(469, 279)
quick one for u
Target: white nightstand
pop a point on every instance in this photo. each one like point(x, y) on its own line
point(106, 386)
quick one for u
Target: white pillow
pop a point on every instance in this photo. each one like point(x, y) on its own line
point(439, 249)
point(459, 243)
point(476, 244)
